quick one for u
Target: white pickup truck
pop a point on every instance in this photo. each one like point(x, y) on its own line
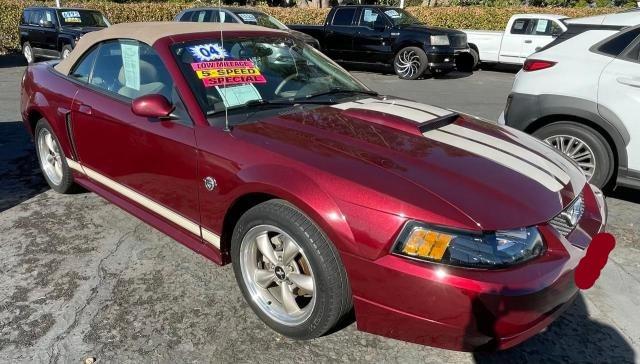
point(524, 35)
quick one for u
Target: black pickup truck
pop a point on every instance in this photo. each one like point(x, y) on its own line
point(391, 36)
point(53, 32)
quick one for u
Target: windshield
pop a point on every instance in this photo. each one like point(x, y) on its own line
point(82, 18)
point(269, 70)
point(262, 20)
point(400, 17)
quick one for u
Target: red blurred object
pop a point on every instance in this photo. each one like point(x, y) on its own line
point(536, 65)
point(595, 259)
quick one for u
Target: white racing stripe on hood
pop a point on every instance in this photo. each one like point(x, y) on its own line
point(413, 111)
point(511, 148)
point(498, 156)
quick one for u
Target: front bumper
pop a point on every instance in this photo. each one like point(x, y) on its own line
point(441, 59)
point(472, 309)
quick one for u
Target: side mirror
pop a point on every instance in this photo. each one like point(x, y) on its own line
point(152, 106)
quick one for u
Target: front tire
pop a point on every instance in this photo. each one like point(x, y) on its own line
point(410, 63)
point(584, 145)
point(52, 160)
point(288, 271)
point(27, 52)
point(66, 50)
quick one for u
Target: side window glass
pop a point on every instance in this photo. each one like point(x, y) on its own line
point(224, 17)
point(131, 69)
point(186, 16)
point(25, 16)
point(615, 46)
point(82, 69)
point(371, 18)
point(36, 17)
point(343, 16)
point(540, 27)
point(520, 26)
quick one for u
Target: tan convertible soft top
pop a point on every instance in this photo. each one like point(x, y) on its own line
point(148, 32)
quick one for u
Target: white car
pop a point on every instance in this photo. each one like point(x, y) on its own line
point(523, 35)
point(626, 18)
point(583, 97)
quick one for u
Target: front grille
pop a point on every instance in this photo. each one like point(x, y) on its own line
point(458, 40)
point(568, 219)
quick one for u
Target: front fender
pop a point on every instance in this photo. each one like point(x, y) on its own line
point(304, 193)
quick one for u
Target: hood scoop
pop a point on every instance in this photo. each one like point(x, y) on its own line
point(405, 115)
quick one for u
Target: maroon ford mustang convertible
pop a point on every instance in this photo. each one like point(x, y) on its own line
point(250, 147)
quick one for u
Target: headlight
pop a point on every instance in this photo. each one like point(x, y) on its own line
point(440, 40)
point(490, 250)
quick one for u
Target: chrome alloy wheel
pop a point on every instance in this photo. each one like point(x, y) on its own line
point(28, 53)
point(50, 156)
point(577, 150)
point(277, 274)
point(407, 63)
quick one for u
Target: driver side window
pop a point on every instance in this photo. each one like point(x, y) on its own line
point(370, 17)
point(130, 69)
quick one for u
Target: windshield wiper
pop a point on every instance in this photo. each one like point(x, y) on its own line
point(335, 91)
point(266, 103)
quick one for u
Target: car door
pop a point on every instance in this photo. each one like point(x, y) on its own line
point(339, 34)
point(151, 162)
point(619, 90)
point(540, 33)
point(513, 41)
point(373, 36)
point(49, 32)
point(36, 33)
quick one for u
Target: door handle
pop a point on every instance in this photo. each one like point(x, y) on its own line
point(82, 108)
point(629, 81)
point(528, 41)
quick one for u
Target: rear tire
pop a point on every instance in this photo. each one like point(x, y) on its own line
point(476, 59)
point(410, 63)
point(584, 145)
point(265, 271)
point(52, 160)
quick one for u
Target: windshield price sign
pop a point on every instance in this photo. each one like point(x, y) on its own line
point(228, 72)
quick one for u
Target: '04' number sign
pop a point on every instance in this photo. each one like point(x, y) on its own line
point(208, 52)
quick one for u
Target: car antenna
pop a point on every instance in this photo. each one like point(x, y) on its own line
point(224, 79)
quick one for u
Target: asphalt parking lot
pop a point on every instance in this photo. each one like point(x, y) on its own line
point(81, 278)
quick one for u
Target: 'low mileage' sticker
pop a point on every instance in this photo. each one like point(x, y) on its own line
point(219, 73)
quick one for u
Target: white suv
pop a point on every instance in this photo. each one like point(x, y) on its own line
point(583, 97)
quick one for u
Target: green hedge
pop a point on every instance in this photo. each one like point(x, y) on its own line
point(471, 17)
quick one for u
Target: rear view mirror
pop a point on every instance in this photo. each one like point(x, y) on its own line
point(152, 106)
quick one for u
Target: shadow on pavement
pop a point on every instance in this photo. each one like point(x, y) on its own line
point(573, 338)
point(499, 67)
point(12, 60)
point(20, 177)
point(623, 193)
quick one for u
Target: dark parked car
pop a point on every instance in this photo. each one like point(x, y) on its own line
point(53, 32)
point(389, 36)
point(242, 15)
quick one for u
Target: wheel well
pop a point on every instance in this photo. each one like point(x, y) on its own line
point(33, 118)
point(237, 209)
point(474, 47)
point(556, 118)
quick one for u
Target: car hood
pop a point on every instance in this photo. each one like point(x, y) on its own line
point(413, 159)
point(431, 30)
point(80, 30)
